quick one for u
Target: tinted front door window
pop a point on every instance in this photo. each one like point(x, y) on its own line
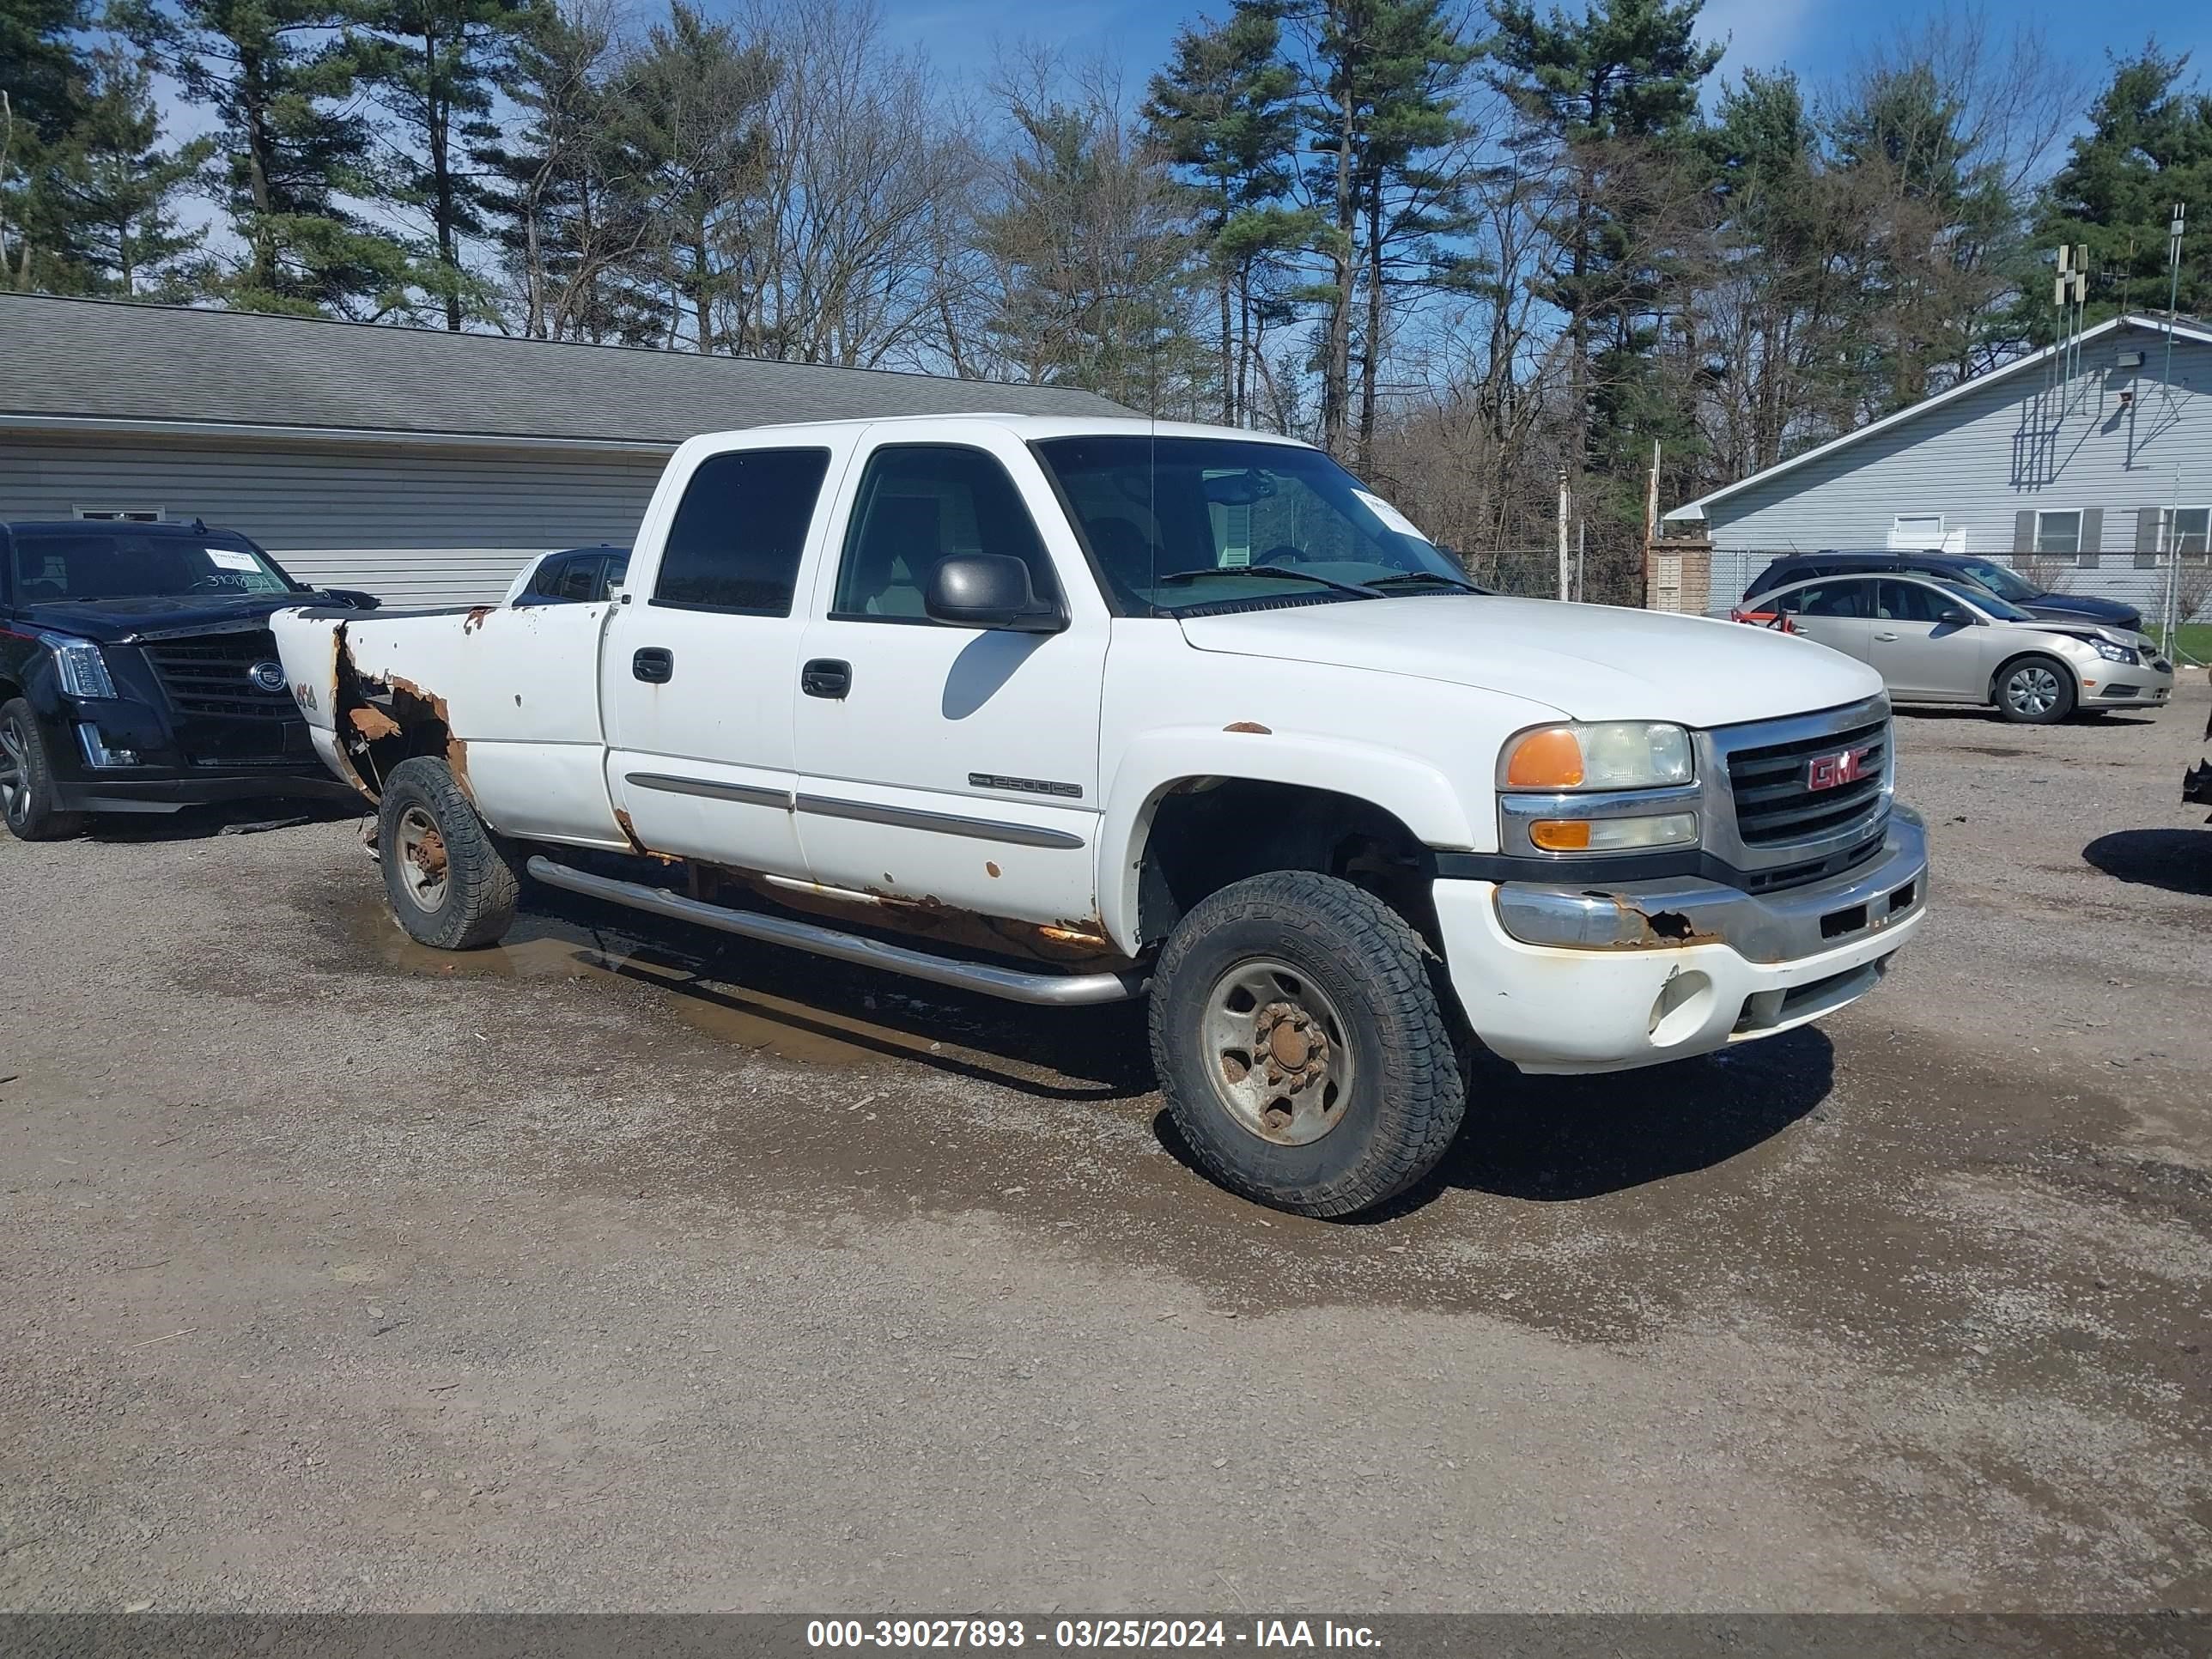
point(919, 505)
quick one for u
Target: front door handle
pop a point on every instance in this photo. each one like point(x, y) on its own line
point(825, 677)
point(654, 666)
point(1885, 636)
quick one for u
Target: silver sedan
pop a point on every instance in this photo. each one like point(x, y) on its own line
point(1938, 641)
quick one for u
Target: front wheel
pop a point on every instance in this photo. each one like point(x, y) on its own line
point(451, 884)
point(1301, 1046)
point(2036, 690)
point(27, 780)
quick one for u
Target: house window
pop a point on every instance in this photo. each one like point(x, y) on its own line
point(119, 514)
point(2058, 533)
point(1916, 533)
point(2184, 529)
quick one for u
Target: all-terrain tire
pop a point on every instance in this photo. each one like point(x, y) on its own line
point(1406, 1091)
point(2036, 690)
point(28, 779)
point(452, 882)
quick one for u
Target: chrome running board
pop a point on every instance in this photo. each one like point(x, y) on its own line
point(1046, 990)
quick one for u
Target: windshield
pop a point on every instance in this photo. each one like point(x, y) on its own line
point(2005, 584)
point(1179, 524)
point(127, 564)
point(1985, 602)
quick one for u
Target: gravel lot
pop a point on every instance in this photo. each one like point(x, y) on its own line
point(601, 1273)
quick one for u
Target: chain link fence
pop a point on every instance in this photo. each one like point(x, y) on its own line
point(1526, 573)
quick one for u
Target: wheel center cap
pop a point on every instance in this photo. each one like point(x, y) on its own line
point(1288, 1045)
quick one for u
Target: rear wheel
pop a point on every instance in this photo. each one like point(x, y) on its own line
point(2036, 690)
point(1301, 1046)
point(452, 881)
point(27, 780)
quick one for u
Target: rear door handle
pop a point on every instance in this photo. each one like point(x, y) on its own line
point(825, 677)
point(654, 666)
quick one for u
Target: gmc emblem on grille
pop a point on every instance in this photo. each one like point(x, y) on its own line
point(1833, 771)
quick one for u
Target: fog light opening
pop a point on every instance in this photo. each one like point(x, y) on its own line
point(96, 752)
point(1680, 1008)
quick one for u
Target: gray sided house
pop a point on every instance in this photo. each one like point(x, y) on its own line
point(423, 467)
point(2093, 465)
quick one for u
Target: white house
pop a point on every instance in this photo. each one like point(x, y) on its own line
point(2095, 460)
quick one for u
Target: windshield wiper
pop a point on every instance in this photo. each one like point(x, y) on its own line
point(1274, 573)
point(1406, 578)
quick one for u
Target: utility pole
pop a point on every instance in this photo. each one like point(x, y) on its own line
point(1563, 502)
point(2172, 287)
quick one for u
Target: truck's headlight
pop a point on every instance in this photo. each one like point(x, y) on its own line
point(1608, 754)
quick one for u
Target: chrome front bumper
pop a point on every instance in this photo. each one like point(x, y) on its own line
point(1783, 927)
point(1630, 974)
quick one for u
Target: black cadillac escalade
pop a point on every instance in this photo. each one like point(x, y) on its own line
point(137, 673)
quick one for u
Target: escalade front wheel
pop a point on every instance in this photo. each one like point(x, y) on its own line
point(27, 780)
point(1301, 1047)
point(451, 884)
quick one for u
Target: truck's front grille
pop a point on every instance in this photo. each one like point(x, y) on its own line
point(214, 675)
point(1772, 785)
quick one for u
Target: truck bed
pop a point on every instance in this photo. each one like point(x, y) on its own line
point(510, 697)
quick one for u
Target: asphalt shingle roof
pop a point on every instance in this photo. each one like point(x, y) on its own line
point(117, 360)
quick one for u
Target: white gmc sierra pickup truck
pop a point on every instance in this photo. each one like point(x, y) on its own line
point(1071, 710)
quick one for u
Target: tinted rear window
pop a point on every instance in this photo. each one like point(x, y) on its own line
point(739, 531)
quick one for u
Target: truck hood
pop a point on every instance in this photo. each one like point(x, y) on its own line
point(1592, 662)
point(119, 622)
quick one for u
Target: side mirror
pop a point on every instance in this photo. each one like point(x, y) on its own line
point(355, 598)
point(988, 591)
point(1954, 617)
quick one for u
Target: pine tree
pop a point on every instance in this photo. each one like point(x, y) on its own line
point(565, 197)
point(44, 80)
point(277, 75)
point(116, 191)
point(1092, 257)
point(691, 113)
point(434, 65)
point(1611, 99)
point(2148, 146)
point(1778, 309)
point(1382, 101)
point(1222, 112)
point(1938, 230)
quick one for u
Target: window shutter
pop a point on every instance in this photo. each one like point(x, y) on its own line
point(2147, 538)
point(2023, 531)
point(2093, 536)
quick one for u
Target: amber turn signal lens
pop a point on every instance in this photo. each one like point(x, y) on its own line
point(1549, 759)
point(1561, 836)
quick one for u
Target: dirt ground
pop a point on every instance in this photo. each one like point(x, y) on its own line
point(613, 1271)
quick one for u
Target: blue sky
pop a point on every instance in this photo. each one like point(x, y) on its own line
point(1814, 37)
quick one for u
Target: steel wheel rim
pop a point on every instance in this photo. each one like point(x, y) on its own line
point(2032, 690)
point(424, 864)
point(1277, 1052)
point(15, 774)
